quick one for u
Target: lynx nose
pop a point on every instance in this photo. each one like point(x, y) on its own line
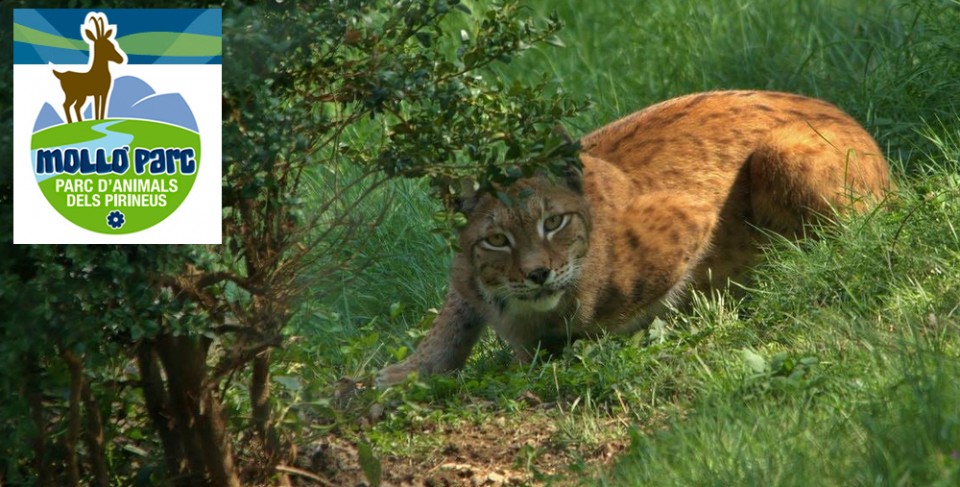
point(539, 275)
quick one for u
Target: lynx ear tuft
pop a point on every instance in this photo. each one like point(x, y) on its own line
point(465, 200)
point(573, 176)
point(573, 173)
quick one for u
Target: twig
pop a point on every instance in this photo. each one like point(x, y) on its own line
point(304, 473)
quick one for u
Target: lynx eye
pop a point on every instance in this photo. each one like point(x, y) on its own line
point(555, 222)
point(497, 241)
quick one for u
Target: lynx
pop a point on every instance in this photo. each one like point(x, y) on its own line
point(679, 195)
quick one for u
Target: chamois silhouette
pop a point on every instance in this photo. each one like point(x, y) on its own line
point(96, 82)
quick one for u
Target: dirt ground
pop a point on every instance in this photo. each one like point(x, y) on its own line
point(520, 449)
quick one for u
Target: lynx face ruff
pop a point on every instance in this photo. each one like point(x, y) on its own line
point(671, 196)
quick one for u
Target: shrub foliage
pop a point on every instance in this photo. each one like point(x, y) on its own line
point(117, 359)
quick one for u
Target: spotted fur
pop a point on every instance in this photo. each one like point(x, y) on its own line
point(677, 195)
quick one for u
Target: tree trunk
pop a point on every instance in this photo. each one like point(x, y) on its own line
point(95, 437)
point(260, 394)
point(260, 404)
point(184, 408)
point(34, 395)
point(158, 408)
point(216, 442)
point(75, 365)
point(198, 416)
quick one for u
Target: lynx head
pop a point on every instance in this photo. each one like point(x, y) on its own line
point(526, 253)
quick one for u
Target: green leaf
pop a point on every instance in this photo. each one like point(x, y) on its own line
point(754, 361)
point(424, 39)
point(370, 464)
point(291, 383)
point(658, 331)
point(395, 310)
point(555, 41)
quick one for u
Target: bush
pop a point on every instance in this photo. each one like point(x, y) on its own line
point(119, 353)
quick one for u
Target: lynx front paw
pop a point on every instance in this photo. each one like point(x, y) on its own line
point(396, 373)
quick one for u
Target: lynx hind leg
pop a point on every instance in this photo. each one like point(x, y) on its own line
point(446, 346)
point(803, 172)
point(664, 236)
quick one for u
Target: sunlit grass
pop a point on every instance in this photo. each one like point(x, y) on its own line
point(839, 364)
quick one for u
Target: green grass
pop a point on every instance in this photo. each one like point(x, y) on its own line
point(839, 365)
point(838, 368)
point(91, 209)
point(170, 44)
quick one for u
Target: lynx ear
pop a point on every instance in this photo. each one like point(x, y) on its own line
point(466, 200)
point(573, 173)
point(459, 195)
point(573, 176)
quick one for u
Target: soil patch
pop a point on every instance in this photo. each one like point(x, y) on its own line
point(520, 449)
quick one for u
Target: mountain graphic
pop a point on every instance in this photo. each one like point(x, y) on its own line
point(48, 117)
point(131, 98)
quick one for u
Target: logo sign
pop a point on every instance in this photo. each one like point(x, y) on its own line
point(117, 126)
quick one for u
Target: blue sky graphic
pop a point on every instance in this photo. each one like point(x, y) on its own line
point(131, 97)
point(66, 23)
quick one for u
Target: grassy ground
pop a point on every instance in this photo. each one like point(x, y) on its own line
point(840, 365)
